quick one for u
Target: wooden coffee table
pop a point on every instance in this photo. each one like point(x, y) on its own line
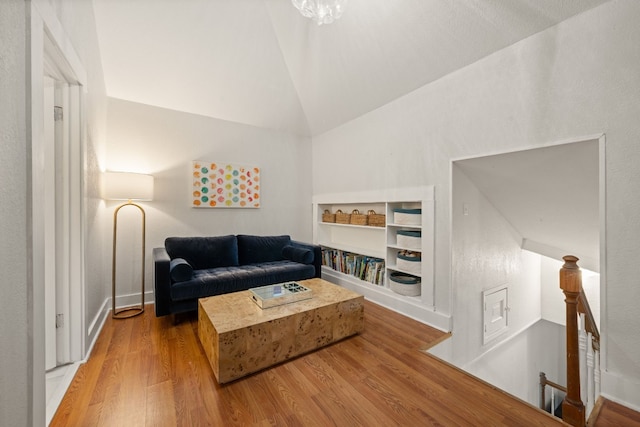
point(240, 338)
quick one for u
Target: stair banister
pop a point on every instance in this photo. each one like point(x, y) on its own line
point(573, 411)
point(590, 322)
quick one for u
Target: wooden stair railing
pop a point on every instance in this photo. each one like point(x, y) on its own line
point(544, 382)
point(583, 346)
point(590, 322)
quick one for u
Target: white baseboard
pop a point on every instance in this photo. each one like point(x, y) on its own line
point(620, 390)
point(130, 300)
point(96, 325)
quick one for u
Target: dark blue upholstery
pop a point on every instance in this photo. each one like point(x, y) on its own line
point(180, 270)
point(255, 249)
point(204, 252)
point(188, 268)
point(222, 280)
point(298, 254)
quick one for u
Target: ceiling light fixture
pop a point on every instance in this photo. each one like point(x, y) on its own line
point(321, 11)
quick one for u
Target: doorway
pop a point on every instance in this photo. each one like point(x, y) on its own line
point(55, 207)
point(57, 196)
point(509, 212)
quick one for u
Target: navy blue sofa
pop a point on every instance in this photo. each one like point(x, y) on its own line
point(188, 268)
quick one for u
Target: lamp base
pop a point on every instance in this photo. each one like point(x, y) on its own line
point(131, 311)
point(125, 313)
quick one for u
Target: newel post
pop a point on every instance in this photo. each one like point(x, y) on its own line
point(571, 283)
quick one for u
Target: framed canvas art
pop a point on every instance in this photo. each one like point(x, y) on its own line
point(225, 185)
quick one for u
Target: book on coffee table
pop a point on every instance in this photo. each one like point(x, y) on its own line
point(279, 294)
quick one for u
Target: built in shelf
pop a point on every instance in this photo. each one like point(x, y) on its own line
point(381, 242)
point(336, 224)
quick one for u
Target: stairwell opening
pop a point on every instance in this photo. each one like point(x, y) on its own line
point(514, 215)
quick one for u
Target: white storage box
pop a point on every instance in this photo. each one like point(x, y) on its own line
point(405, 284)
point(407, 216)
point(409, 239)
point(409, 261)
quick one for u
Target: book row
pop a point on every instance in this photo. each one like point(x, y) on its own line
point(363, 267)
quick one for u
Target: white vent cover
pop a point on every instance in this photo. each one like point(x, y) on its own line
point(496, 308)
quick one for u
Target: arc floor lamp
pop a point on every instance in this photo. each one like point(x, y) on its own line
point(127, 186)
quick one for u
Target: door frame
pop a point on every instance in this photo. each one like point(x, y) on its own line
point(50, 52)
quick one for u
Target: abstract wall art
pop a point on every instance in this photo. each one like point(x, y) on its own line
point(225, 185)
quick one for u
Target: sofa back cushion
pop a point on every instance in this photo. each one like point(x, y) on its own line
point(204, 252)
point(256, 249)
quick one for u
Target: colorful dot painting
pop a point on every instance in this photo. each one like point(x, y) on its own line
point(222, 185)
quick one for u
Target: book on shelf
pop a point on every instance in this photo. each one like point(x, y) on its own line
point(366, 268)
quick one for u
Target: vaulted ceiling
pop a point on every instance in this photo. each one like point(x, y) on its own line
point(259, 62)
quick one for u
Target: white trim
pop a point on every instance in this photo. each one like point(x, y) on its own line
point(387, 195)
point(59, 55)
point(78, 138)
point(96, 324)
point(130, 300)
point(602, 202)
point(35, 117)
point(585, 138)
point(56, 33)
point(49, 47)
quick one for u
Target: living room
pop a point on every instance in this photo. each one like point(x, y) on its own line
point(573, 81)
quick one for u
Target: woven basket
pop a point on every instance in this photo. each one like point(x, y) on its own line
point(409, 239)
point(376, 220)
point(357, 218)
point(342, 218)
point(404, 284)
point(409, 261)
point(407, 216)
point(327, 216)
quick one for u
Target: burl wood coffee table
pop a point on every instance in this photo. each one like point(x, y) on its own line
point(240, 338)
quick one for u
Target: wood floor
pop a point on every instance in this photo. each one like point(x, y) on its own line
point(146, 371)
point(612, 414)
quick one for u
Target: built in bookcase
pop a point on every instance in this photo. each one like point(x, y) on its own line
point(353, 254)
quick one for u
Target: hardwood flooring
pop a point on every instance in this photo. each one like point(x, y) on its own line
point(612, 414)
point(146, 371)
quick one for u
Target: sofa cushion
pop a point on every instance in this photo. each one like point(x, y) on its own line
point(204, 252)
point(298, 254)
point(223, 280)
point(256, 249)
point(180, 270)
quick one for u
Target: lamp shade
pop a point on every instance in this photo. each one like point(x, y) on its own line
point(127, 186)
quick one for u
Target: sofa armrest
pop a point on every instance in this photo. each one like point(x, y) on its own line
point(161, 281)
point(317, 255)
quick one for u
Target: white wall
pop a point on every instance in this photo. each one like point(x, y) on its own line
point(163, 143)
point(486, 253)
point(553, 305)
point(15, 389)
point(515, 365)
point(575, 79)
